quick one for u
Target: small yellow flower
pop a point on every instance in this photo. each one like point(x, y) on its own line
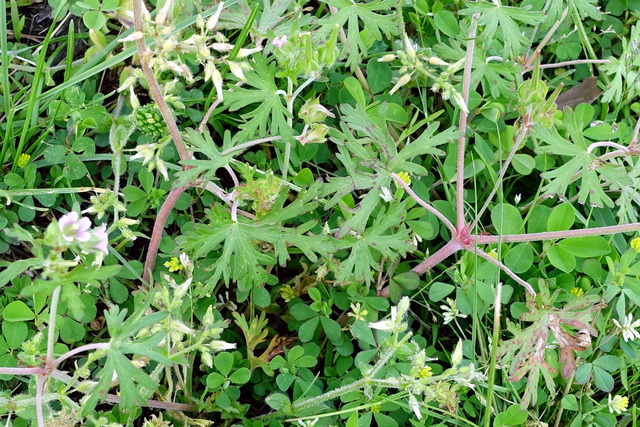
point(405, 177)
point(635, 244)
point(375, 408)
point(288, 293)
point(576, 291)
point(357, 312)
point(425, 372)
point(23, 160)
point(493, 253)
point(173, 265)
point(618, 404)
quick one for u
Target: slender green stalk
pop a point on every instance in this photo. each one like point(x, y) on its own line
point(494, 354)
point(53, 310)
point(6, 91)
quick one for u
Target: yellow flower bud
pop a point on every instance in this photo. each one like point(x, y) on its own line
point(635, 244)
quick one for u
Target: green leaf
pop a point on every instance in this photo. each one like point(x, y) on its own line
point(332, 329)
point(561, 259)
point(94, 19)
point(608, 363)
point(241, 376)
point(304, 178)
point(223, 363)
point(302, 312)
point(308, 329)
point(17, 311)
point(270, 117)
point(570, 402)
point(215, 380)
point(520, 258)
point(279, 402)
point(513, 416)
point(602, 379)
point(408, 280)
point(446, 22)
point(349, 15)
point(501, 20)
point(561, 218)
point(16, 268)
point(440, 290)
point(362, 331)
point(523, 164)
point(378, 75)
point(506, 219)
point(15, 333)
point(585, 247)
point(355, 89)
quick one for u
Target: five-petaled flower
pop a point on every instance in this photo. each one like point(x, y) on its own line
point(72, 227)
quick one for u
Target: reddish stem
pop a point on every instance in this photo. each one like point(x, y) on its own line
point(158, 228)
point(552, 235)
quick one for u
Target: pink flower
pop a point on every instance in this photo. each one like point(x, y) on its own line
point(100, 233)
point(74, 228)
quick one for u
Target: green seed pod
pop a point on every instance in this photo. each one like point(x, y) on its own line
point(149, 120)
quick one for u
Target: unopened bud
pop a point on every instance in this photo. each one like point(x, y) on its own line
point(387, 58)
point(434, 60)
point(312, 111)
point(401, 82)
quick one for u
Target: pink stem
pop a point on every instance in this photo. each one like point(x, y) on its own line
point(23, 371)
point(39, 393)
point(595, 145)
point(502, 267)
point(574, 62)
point(158, 228)
point(636, 131)
point(466, 83)
point(551, 235)
point(440, 255)
point(424, 204)
point(87, 347)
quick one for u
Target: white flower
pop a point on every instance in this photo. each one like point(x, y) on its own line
point(386, 194)
point(415, 405)
point(450, 311)
point(628, 328)
point(386, 325)
point(217, 345)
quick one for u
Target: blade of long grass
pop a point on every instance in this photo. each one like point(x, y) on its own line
point(6, 98)
point(70, 47)
point(36, 86)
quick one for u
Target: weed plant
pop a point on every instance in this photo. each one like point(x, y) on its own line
point(342, 212)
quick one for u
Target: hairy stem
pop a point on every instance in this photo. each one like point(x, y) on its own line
point(154, 87)
point(87, 347)
point(424, 204)
point(522, 135)
point(466, 84)
point(53, 310)
point(552, 235)
point(502, 267)
point(39, 403)
point(158, 228)
point(573, 62)
point(440, 255)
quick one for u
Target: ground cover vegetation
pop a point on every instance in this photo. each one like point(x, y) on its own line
point(280, 212)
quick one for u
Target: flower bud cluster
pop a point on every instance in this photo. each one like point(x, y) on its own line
point(417, 65)
point(150, 155)
point(210, 48)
